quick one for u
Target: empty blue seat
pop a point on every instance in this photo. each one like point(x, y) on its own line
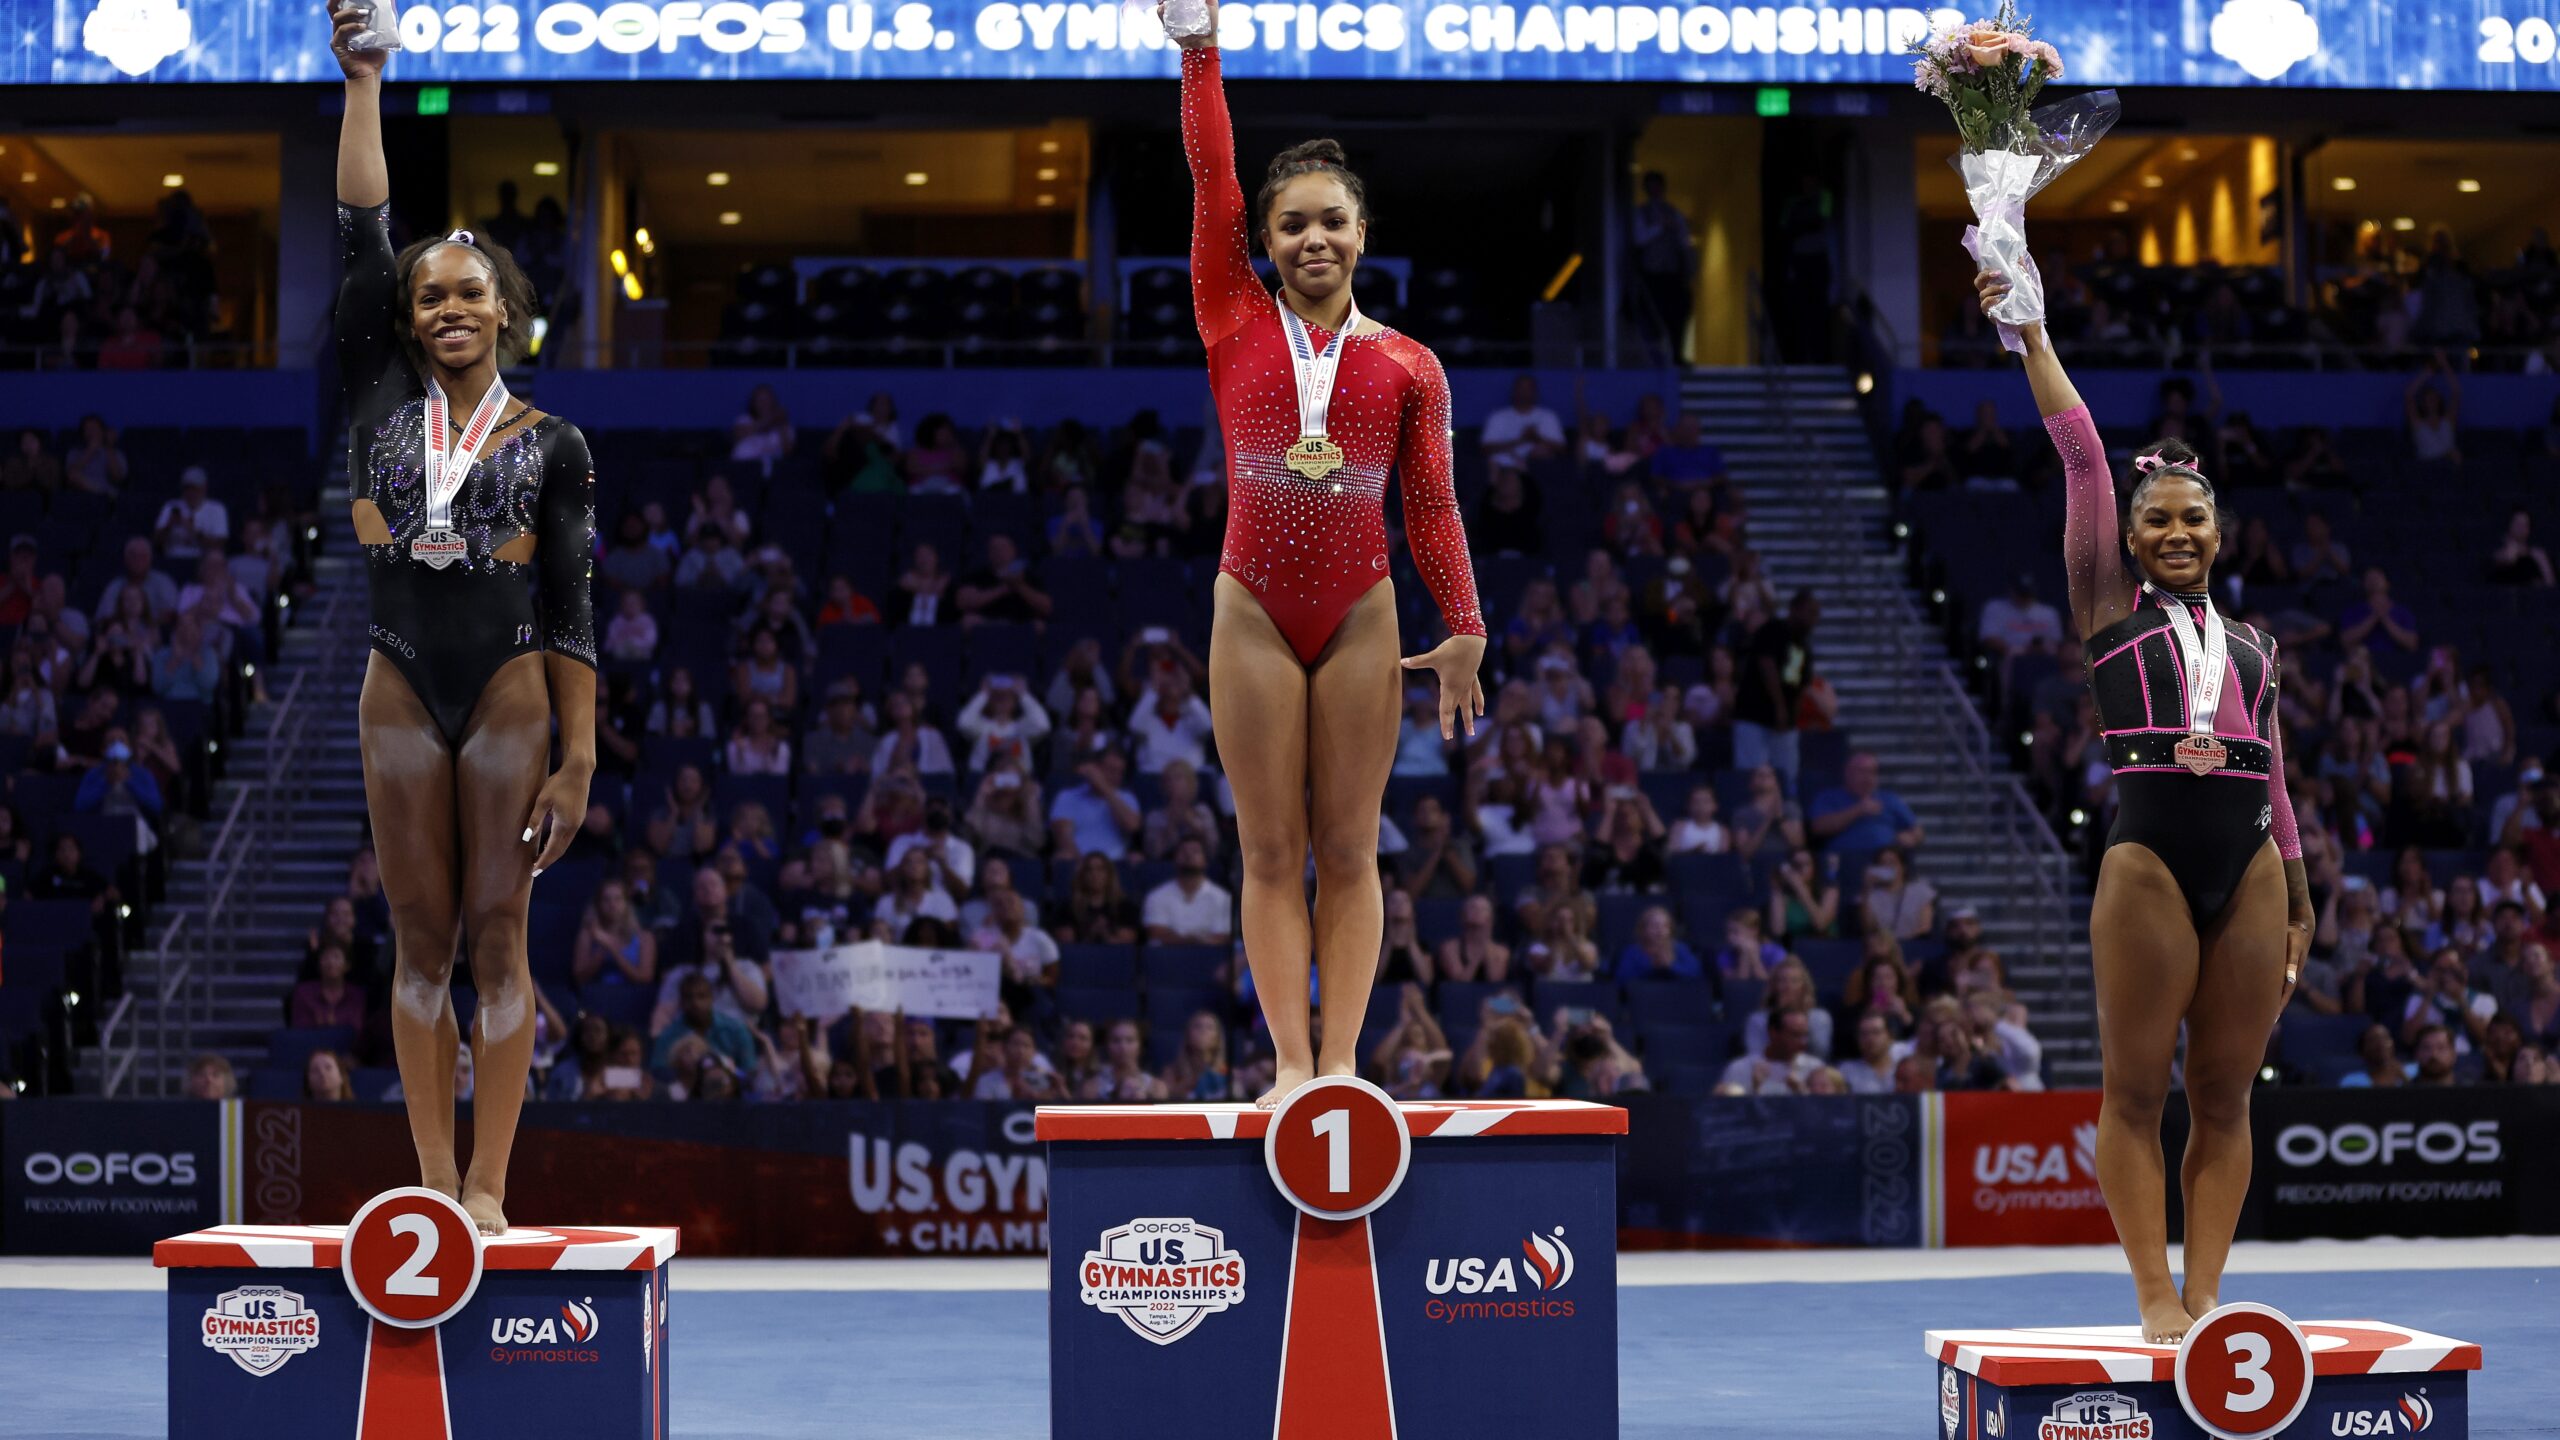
point(1086, 966)
point(1098, 1005)
point(1184, 966)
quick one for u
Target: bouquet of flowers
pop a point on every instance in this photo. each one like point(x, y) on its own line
point(1989, 72)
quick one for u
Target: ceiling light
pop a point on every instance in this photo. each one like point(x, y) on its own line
point(621, 262)
point(2467, 187)
point(2152, 182)
point(640, 237)
point(2343, 182)
point(729, 217)
point(917, 177)
point(172, 181)
point(716, 177)
point(546, 167)
point(631, 286)
point(1048, 147)
point(1048, 173)
point(2119, 206)
point(2403, 222)
point(1047, 199)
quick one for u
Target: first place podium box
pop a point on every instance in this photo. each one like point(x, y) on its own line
point(2101, 1382)
point(1462, 1285)
point(563, 1332)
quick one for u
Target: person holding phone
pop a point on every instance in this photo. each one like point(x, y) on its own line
point(1303, 673)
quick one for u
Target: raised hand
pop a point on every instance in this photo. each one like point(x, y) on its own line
point(345, 21)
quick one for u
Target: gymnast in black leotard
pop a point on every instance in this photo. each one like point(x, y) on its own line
point(2203, 912)
point(477, 518)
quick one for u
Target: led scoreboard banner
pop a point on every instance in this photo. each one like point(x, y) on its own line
point(2350, 44)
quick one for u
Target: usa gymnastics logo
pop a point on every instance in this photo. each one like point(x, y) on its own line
point(1544, 1266)
point(2095, 1415)
point(1162, 1277)
point(260, 1327)
point(2413, 1415)
point(554, 1339)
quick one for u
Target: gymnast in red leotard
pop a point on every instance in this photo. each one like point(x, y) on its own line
point(1318, 405)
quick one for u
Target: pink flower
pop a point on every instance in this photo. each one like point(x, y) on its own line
point(1988, 44)
point(2046, 57)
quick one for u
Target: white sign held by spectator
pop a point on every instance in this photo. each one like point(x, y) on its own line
point(944, 984)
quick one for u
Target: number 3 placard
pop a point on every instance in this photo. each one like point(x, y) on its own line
point(2244, 1371)
point(412, 1258)
point(1337, 1147)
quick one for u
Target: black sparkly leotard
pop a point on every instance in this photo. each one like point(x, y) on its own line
point(2205, 828)
point(447, 631)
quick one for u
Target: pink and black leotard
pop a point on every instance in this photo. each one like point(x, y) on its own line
point(1310, 549)
point(2205, 828)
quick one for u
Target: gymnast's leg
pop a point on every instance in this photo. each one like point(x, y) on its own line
point(2143, 949)
point(408, 787)
point(506, 755)
point(1258, 704)
point(2239, 988)
point(1355, 694)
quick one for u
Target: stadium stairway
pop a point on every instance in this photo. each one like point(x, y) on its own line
point(1797, 449)
point(297, 778)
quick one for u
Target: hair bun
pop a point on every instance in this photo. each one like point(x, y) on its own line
point(1305, 152)
point(2175, 453)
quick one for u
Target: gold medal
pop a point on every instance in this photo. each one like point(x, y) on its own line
point(1315, 457)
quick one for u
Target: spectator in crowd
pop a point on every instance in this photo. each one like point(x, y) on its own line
point(120, 787)
point(70, 878)
point(2447, 998)
point(1006, 591)
point(1961, 1064)
point(2379, 1058)
point(1511, 519)
point(1096, 815)
point(1783, 1067)
point(1173, 726)
point(1563, 950)
point(1181, 816)
point(1402, 957)
point(912, 896)
point(193, 523)
point(1860, 815)
point(2539, 1016)
point(697, 1016)
point(2501, 1045)
point(2377, 620)
point(1524, 430)
point(1779, 663)
point(1746, 955)
point(1896, 902)
point(1768, 826)
point(712, 563)
point(1790, 992)
point(1124, 1077)
point(758, 747)
point(1439, 860)
point(953, 861)
point(209, 1076)
point(1412, 1061)
point(324, 1078)
point(140, 574)
point(715, 507)
point(1473, 955)
point(1421, 751)
point(680, 712)
point(2435, 415)
point(1698, 831)
point(1098, 911)
point(31, 468)
point(613, 946)
point(1628, 856)
point(844, 740)
point(2319, 555)
point(329, 998)
point(1002, 722)
point(1005, 814)
point(632, 636)
point(95, 466)
point(1688, 460)
point(1998, 1023)
point(1871, 1070)
point(1190, 909)
point(765, 674)
point(2020, 622)
point(631, 563)
point(2433, 1046)
point(763, 433)
point(1200, 1070)
point(131, 345)
point(1656, 953)
point(1804, 900)
point(2517, 560)
point(907, 743)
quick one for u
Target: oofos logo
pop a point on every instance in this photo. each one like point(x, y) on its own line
point(2439, 1142)
point(116, 1166)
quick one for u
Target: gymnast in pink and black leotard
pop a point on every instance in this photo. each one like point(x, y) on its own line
point(1309, 548)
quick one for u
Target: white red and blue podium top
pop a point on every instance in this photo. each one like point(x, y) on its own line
point(2116, 1354)
point(316, 1247)
point(1427, 1119)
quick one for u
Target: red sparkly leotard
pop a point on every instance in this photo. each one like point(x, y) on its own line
point(1309, 549)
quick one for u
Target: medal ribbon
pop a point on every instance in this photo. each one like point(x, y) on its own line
point(446, 472)
point(1314, 371)
point(2206, 659)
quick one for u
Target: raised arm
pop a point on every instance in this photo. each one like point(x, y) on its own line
point(364, 318)
point(2101, 592)
point(1223, 285)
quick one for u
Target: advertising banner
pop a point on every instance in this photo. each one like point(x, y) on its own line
point(2022, 1169)
point(2472, 1160)
point(1718, 1173)
point(2504, 45)
point(945, 984)
point(107, 1177)
point(819, 1178)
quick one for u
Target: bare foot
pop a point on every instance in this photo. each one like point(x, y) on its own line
point(485, 1209)
point(1283, 1081)
point(443, 1181)
point(2165, 1321)
point(2201, 1303)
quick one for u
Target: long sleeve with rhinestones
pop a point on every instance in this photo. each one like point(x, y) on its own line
point(374, 377)
point(1432, 529)
point(2090, 535)
point(1225, 292)
point(2287, 835)
point(565, 548)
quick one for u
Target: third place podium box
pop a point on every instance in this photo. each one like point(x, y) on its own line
point(1345, 1268)
point(2245, 1372)
point(427, 1332)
